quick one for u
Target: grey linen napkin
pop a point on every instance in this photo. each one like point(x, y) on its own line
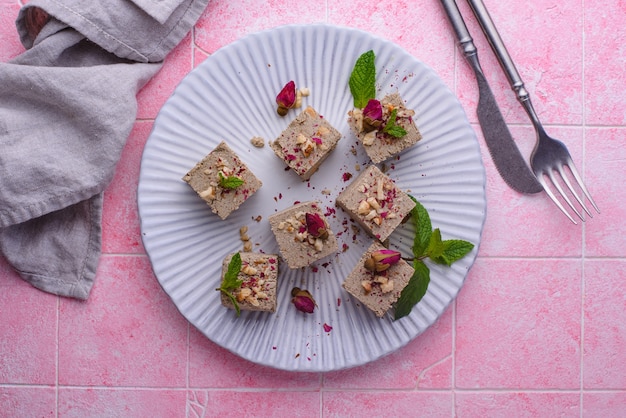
point(67, 106)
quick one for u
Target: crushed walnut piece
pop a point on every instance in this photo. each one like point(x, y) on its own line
point(245, 239)
point(257, 142)
point(377, 200)
point(379, 280)
point(254, 287)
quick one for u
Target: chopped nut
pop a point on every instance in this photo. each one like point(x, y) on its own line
point(373, 203)
point(305, 91)
point(367, 286)
point(298, 102)
point(244, 292)
point(247, 246)
point(381, 279)
point(319, 244)
point(357, 115)
point(369, 138)
point(371, 215)
point(364, 207)
point(380, 192)
point(258, 142)
point(208, 193)
point(322, 130)
point(308, 148)
point(300, 139)
point(387, 287)
point(249, 270)
point(252, 300)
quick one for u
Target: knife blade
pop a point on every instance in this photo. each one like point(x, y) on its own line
point(506, 157)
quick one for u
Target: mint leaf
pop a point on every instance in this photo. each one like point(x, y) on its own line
point(435, 246)
point(414, 291)
point(230, 182)
point(233, 300)
point(231, 280)
point(232, 273)
point(391, 128)
point(427, 243)
point(423, 228)
point(453, 250)
point(363, 80)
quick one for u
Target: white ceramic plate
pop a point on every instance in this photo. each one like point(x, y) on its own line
point(231, 96)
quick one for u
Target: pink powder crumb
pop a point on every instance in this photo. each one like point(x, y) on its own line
point(327, 328)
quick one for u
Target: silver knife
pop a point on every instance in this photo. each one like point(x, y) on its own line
point(507, 158)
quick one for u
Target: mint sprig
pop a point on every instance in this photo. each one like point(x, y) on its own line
point(229, 182)
point(427, 244)
point(231, 280)
point(414, 291)
point(363, 80)
point(392, 128)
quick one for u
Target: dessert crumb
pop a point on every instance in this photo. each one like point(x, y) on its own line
point(257, 141)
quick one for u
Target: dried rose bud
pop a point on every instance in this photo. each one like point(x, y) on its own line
point(286, 99)
point(316, 226)
point(303, 300)
point(381, 260)
point(372, 115)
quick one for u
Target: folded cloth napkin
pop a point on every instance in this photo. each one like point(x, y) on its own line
point(67, 106)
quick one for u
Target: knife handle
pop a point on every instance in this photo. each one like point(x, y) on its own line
point(506, 62)
point(458, 24)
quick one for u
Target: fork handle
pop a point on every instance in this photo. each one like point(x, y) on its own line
point(506, 62)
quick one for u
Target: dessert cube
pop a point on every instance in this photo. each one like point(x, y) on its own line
point(375, 202)
point(222, 180)
point(259, 274)
point(378, 144)
point(378, 290)
point(306, 142)
point(303, 234)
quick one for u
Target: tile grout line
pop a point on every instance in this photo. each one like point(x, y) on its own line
point(584, 229)
point(56, 358)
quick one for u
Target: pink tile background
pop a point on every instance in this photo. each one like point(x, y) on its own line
point(537, 330)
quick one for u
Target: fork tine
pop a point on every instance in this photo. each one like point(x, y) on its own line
point(581, 184)
point(571, 189)
point(562, 192)
point(551, 195)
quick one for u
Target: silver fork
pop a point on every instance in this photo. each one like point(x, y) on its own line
point(549, 155)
